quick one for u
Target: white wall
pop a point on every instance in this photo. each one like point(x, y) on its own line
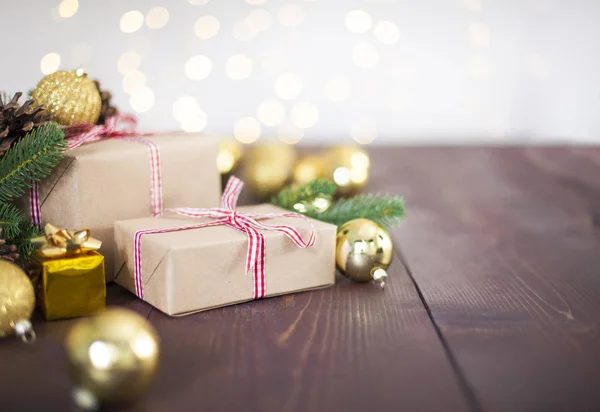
point(461, 70)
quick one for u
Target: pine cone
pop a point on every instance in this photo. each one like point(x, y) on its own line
point(7, 252)
point(16, 121)
point(107, 110)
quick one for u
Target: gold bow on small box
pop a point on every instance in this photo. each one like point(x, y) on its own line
point(57, 242)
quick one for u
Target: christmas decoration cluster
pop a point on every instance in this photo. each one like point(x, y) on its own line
point(167, 188)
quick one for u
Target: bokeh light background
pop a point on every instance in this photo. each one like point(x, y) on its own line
point(372, 71)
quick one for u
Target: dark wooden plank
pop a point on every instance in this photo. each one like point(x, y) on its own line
point(506, 255)
point(351, 347)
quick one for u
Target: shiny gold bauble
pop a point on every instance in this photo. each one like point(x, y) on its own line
point(268, 168)
point(364, 250)
point(112, 356)
point(17, 301)
point(309, 168)
point(70, 97)
point(348, 167)
point(229, 155)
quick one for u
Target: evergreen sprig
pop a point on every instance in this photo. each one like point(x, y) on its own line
point(290, 196)
point(22, 240)
point(31, 159)
point(10, 219)
point(384, 209)
point(17, 230)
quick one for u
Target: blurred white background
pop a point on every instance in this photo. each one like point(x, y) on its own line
point(376, 71)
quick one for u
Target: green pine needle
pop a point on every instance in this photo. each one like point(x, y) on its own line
point(31, 159)
point(27, 231)
point(290, 196)
point(386, 210)
point(10, 219)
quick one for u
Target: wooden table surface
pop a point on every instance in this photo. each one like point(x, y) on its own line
point(493, 304)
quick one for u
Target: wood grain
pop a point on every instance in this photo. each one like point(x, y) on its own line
point(503, 246)
point(351, 347)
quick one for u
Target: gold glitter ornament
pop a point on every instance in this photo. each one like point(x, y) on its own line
point(348, 168)
point(268, 168)
point(69, 96)
point(364, 251)
point(112, 357)
point(17, 300)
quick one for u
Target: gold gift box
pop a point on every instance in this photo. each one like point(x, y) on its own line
point(70, 286)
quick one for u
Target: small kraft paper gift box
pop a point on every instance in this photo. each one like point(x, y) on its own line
point(110, 174)
point(197, 259)
point(67, 273)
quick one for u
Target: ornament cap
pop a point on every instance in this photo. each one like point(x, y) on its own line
point(24, 329)
point(379, 276)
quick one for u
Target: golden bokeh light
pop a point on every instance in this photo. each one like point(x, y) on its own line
point(198, 67)
point(386, 32)
point(247, 130)
point(157, 17)
point(288, 86)
point(238, 67)
point(68, 8)
point(304, 115)
point(207, 27)
point(271, 112)
point(186, 108)
point(142, 100)
point(131, 21)
point(358, 21)
point(50, 63)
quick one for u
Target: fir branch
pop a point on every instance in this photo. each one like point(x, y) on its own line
point(384, 209)
point(22, 240)
point(291, 195)
point(31, 159)
point(10, 219)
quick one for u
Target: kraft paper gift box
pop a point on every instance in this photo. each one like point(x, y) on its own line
point(101, 182)
point(199, 269)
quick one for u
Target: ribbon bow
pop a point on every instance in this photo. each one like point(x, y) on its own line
point(119, 125)
point(62, 242)
point(248, 223)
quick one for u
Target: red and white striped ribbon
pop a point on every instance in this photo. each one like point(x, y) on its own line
point(226, 215)
point(120, 126)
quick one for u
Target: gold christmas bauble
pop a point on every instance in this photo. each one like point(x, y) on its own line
point(309, 168)
point(348, 167)
point(229, 155)
point(69, 96)
point(112, 356)
point(268, 168)
point(17, 301)
point(364, 251)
